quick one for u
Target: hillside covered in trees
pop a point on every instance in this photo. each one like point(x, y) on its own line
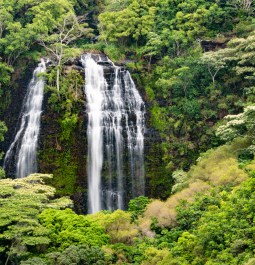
point(192, 76)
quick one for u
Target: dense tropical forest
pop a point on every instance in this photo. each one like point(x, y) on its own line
point(193, 63)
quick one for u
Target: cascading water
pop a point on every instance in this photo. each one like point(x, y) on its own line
point(115, 135)
point(24, 147)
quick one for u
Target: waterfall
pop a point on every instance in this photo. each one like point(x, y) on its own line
point(115, 131)
point(24, 147)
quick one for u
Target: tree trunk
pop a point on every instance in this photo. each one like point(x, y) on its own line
point(57, 79)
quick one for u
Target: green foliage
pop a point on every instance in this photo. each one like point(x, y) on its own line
point(250, 262)
point(154, 256)
point(238, 58)
point(116, 5)
point(4, 75)
point(244, 8)
point(67, 228)
point(220, 166)
point(134, 22)
point(239, 125)
point(180, 177)
point(23, 23)
point(137, 207)
point(68, 125)
point(214, 62)
point(224, 232)
point(182, 23)
point(22, 200)
point(3, 130)
point(95, 47)
point(68, 30)
point(33, 261)
point(69, 96)
point(117, 225)
point(65, 111)
point(64, 167)
point(159, 117)
point(78, 255)
point(215, 228)
point(181, 109)
point(114, 52)
point(188, 214)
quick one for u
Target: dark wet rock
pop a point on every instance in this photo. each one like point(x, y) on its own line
point(210, 45)
point(75, 67)
point(74, 61)
point(104, 63)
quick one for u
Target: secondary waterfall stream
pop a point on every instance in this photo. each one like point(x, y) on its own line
point(115, 135)
point(23, 150)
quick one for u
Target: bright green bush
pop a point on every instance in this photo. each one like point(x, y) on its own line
point(137, 206)
point(67, 228)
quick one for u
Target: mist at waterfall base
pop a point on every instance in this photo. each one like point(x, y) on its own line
point(22, 154)
point(115, 134)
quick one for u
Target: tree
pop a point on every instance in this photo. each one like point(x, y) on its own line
point(134, 22)
point(38, 18)
point(21, 201)
point(117, 225)
point(75, 255)
point(67, 228)
point(66, 32)
point(216, 229)
point(83, 254)
point(214, 63)
point(240, 125)
point(237, 57)
point(180, 180)
point(152, 47)
point(116, 5)
point(137, 207)
point(247, 7)
point(244, 51)
point(5, 18)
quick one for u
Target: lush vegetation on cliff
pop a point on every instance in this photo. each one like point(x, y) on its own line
point(193, 62)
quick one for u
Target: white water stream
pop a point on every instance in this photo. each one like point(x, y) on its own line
point(115, 135)
point(24, 147)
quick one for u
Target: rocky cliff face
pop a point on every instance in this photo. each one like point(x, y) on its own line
point(66, 160)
